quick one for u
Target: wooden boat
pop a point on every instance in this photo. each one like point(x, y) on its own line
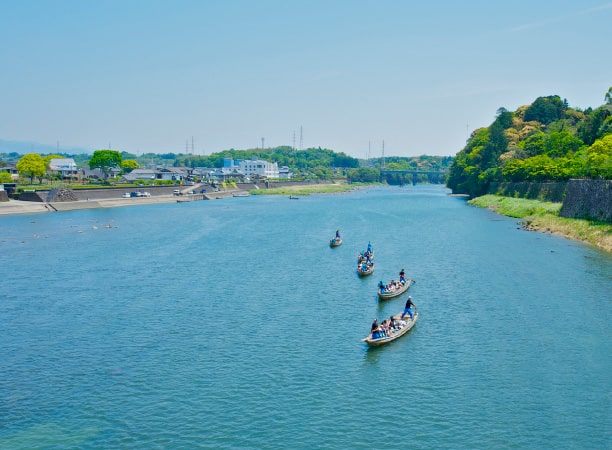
point(398, 291)
point(395, 334)
point(335, 242)
point(369, 270)
point(293, 197)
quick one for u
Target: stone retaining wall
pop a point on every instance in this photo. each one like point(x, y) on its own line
point(546, 192)
point(588, 199)
point(582, 199)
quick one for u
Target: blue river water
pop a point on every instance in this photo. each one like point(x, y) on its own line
point(233, 324)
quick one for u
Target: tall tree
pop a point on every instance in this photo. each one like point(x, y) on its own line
point(31, 165)
point(608, 97)
point(105, 160)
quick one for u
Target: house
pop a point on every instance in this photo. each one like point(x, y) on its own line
point(141, 175)
point(173, 173)
point(284, 172)
point(96, 174)
point(12, 170)
point(203, 173)
point(225, 174)
point(66, 167)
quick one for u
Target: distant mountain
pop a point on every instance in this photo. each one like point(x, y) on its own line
point(23, 148)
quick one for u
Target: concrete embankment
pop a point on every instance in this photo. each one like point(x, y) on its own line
point(47, 201)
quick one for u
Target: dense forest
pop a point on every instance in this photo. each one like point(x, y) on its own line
point(545, 141)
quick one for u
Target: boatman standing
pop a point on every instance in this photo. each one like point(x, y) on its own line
point(407, 309)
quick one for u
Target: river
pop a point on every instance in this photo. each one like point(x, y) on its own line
point(232, 324)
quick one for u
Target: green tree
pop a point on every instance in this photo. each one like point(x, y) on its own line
point(608, 97)
point(31, 165)
point(561, 143)
point(105, 160)
point(5, 177)
point(599, 158)
point(363, 175)
point(129, 164)
point(545, 109)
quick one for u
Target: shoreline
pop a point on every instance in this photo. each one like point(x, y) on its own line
point(23, 207)
point(31, 207)
point(542, 217)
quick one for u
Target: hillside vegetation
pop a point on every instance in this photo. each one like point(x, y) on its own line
point(545, 141)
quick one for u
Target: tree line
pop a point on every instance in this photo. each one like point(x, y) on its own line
point(315, 163)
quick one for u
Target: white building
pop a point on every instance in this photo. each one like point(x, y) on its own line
point(259, 167)
point(64, 166)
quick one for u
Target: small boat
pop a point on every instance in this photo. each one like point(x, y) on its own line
point(293, 197)
point(335, 242)
point(365, 271)
point(399, 289)
point(396, 333)
point(241, 194)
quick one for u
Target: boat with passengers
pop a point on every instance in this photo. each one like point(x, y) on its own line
point(390, 329)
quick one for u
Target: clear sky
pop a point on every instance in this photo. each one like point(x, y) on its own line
point(150, 75)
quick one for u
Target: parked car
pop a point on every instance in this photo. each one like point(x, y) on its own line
point(191, 192)
point(136, 194)
point(126, 195)
point(202, 191)
point(177, 192)
point(146, 194)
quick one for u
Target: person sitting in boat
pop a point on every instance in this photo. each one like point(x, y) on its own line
point(376, 330)
point(396, 324)
point(402, 276)
point(386, 328)
point(364, 266)
point(337, 234)
point(407, 310)
point(382, 287)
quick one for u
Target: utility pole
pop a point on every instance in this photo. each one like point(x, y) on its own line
point(301, 137)
point(262, 143)
point(382, 164)
point(293, 141)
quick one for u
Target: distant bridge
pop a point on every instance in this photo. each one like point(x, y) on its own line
point(433, 176)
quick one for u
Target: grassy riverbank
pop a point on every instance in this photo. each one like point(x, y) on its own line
point(306, 189)
point(544, 216)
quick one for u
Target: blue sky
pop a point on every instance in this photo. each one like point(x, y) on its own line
point(149, 75)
